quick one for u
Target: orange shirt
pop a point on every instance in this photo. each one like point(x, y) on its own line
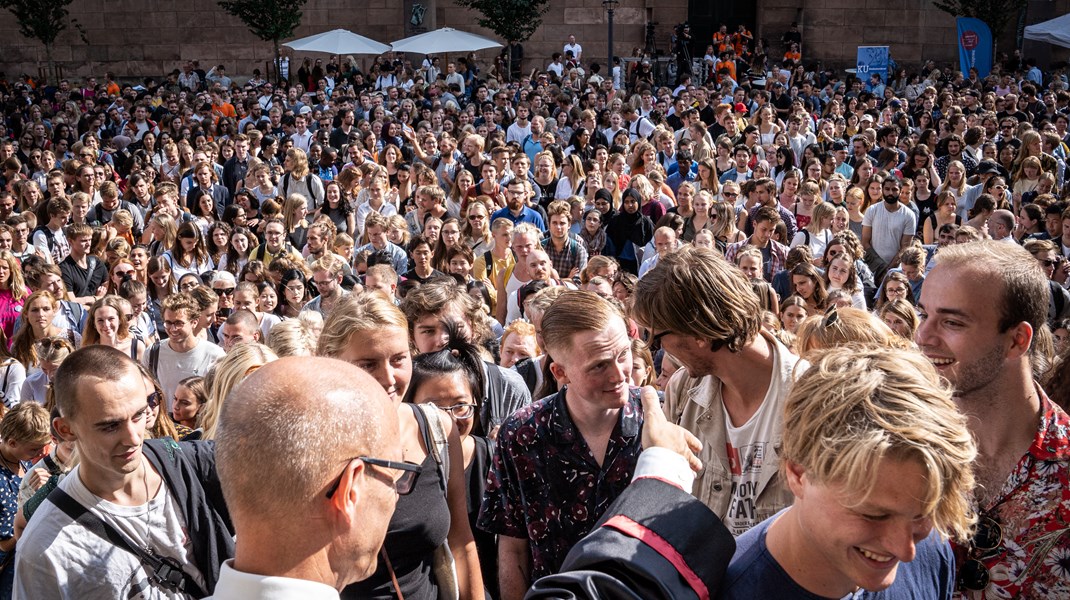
point(727, 64)
point(740, 38)
point(793, 56)
point(720, 42)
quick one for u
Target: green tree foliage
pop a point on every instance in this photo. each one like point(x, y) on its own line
point(513, 20)
point(997, 14)
point(41, 20)
point(269, 20)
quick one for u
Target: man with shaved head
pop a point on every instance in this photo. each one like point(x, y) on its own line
point(329, 431)
point(137, 518)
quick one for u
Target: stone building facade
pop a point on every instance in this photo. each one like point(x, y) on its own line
point(135, 38)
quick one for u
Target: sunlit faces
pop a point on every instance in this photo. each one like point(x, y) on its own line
point(853, 540)
point(384, 354)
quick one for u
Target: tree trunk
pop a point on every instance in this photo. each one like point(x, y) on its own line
point(51, 63)
point(278, 62)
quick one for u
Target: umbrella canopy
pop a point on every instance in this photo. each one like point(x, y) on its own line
point(444, 40)
point(338, 41)
point(1055, 31)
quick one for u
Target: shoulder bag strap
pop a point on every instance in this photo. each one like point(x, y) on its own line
point(164, 572)
point(434, 438)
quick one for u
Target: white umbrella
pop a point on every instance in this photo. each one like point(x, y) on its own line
point(444, 40)
point(338, 41)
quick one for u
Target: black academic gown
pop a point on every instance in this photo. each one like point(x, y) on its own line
point(654, 542)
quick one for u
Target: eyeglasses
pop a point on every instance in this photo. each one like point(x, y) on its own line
point(730, 194)
point(1049, 262)
point(460, 411)
point(403, 485)
point(477, 217)
point(656, 338)
point(224, 291)
point(974, 575)
point(153, 400)
point(173, 324)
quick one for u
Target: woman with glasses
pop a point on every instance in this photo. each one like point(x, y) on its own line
point(293, 293)
point(51, 353)
point(475, 231)
point(452, 380)
point(722, 224)
point(372, 333)
point(108, 324)
point(122, 270)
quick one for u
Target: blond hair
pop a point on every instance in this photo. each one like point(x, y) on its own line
point(231, 370)
point(859, 405)
point(839, 326)
point(356, 313)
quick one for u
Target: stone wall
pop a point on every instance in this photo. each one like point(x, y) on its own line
point(135, 38)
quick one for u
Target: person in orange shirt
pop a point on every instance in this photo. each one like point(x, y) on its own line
point(741, 40)
point(721, 41)
point(221, 108)
point(793, 54)
point(727, 62)
point(112, 87)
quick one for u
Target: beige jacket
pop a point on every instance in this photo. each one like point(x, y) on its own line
point(695, 404)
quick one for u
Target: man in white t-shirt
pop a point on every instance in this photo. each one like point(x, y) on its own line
point(733, 383)
point(525, 239)
point(123, 482)
point(576, 49)
point(183, 354)
point(887, 228)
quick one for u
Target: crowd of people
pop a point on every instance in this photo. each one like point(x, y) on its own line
point(849, 298)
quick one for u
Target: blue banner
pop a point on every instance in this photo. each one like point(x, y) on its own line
point(872, 59)
point(975, 46)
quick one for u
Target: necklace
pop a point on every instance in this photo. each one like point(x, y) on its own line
point(8, 462)
point(147, 541)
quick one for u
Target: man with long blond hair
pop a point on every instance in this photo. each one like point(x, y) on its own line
point(879, 460)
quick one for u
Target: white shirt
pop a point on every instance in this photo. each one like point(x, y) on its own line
point(889, 227)
point(60, 559)
point(174, 366)
point(576, 49)
point(302, 140)
point(247, 586)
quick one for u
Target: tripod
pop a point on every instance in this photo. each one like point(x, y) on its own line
point(651, 40)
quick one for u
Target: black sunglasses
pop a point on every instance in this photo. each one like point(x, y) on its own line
point(224, 291)
point(404, 484)
point(974, 575)
point(656, 338)
point(153, 400)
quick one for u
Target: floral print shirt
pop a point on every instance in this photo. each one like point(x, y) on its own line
point(1033, 559)
point(544, 484)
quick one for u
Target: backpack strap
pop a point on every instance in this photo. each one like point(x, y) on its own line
point(154, 358)
point(489, 259)
point(3, 386)
point(312, 190)
point(164, 572)
point(434, 437)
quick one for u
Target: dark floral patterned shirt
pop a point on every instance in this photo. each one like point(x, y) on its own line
point(1033, 557)
point(545, 485)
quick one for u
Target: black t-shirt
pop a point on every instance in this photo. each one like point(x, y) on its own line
point(83, 282)
point(435, 274)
